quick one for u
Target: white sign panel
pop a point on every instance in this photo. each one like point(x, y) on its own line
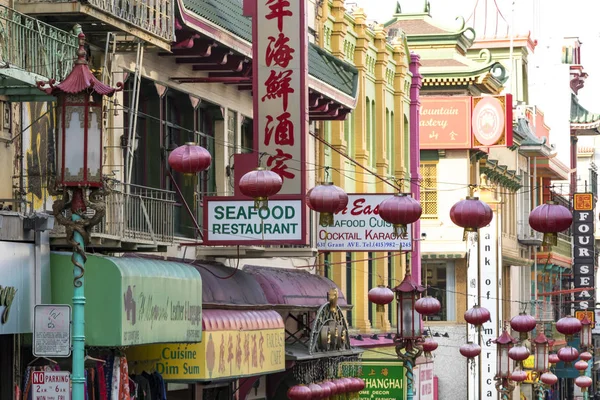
point(237, 221)
point(281, 88)
point(596, 329)
point(489, 293)
point(55, 385)
point(360, 228)
point(425, 384)
point(52, 330)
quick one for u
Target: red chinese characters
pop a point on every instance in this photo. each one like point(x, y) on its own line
point(279, 126)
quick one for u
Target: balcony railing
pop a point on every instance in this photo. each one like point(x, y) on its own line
point(152, 16)
point(136, 216)
point(34, 46)
point(528, 236)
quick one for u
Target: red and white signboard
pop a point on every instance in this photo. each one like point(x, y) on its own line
point(280, 57)
point(48, 385)
point(492, 121)
point(359, 227)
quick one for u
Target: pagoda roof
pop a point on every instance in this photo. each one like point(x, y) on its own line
point(582, 120)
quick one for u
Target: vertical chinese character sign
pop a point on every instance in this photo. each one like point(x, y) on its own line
point(583, 251)
point(280, 89)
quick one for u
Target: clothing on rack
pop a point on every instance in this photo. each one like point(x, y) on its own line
point(150, 386)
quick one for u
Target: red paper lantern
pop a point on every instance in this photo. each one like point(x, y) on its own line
point(586, 356)
point(316, 391)
point(428, 305)
point(400, 210)
point(568, 354)
point(584, 382)
point(581, 365)
point(332, 387)
point(349, 385)
point(327, 199)
point(549, 378)
point(553, 358)
point(568, 326)
point(260, 184)
point(326, 390)
point(190, 159)
point(360, 384)
point(477, 316)
point(518, 376)
point(299, 392)
point(428, 346)
point(523, 323)
point(381, 296)
point(470, 350)
point(471, 214)
point(306, 199)
point(340, 385)
point(519, 353)
point(549, 219)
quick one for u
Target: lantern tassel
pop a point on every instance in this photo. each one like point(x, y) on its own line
point(261, 203)
point(400, 230)
point(326, 219)
point(380, 308)
point(550, 239)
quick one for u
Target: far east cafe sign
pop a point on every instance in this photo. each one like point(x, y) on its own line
point(280, 95)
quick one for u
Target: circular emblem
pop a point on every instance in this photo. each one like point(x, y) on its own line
point(488, 121)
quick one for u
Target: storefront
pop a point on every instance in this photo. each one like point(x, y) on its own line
point(317, 342)
point(243, 342)
point(130, 301)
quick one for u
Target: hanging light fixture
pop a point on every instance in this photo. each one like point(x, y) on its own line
point(400, 210)
point(326, 199)
point(584, 382)
point(429, 345)
point(470, 350)
point(541, 345)
point(519, 353)
point(585, 334)
point(381, 296)
point(409, 320)
point(316, 391)
point(581, 366)
point(471, 214)
point(504, 364)
point(518, 376)
point(553, 358)
point(260, 184)
point(325, 390)
point(548, 378)
point(586, 356)
point(549, 219)
point(523, 323)
point(299, 392)
point(190, 159)
point(477, 316)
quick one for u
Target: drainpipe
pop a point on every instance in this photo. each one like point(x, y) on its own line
point(415, 160)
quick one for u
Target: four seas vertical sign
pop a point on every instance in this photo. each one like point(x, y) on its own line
point(583, 251)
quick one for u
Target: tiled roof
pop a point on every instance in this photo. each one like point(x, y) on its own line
point(442, 63)
point(581, 116)
point(228, 15)
point(417, 26)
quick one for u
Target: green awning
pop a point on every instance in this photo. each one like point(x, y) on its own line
point(131, 301)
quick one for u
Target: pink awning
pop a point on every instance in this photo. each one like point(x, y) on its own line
point(234, 320)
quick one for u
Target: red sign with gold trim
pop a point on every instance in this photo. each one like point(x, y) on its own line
point(445, 122)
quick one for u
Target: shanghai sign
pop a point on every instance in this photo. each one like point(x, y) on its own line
point(228, 221)
point(360, 228)
point(583, 251)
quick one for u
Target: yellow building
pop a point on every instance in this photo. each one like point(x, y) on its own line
point(376, 136)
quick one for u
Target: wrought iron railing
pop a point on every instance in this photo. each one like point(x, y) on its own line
point(34, 46)
point(152, 16)
point(136, 214)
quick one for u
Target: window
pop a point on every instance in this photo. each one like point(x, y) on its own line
point(440, 276)
point(429, 194)
point(327, 265)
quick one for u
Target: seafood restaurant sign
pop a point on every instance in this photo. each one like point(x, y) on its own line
point(360, 228)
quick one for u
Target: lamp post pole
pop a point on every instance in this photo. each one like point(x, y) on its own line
point(78, 183)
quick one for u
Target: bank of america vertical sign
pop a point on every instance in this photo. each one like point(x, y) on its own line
point(583, 250)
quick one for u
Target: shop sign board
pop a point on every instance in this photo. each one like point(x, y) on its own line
point(51, 385)
point(445, 122)
point(489, 286)
point(424, 381)
point(384, 380)
point(359, 227)
point(222, 354)
point(230, 221)
point(492, 121)
point(52, 330)
point(583, 251)
point(596, 329)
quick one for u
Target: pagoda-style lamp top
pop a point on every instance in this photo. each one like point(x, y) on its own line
point(409, 320)
point(80, 78)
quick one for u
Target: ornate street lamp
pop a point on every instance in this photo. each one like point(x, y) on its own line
point(541, 345)
point(79, 171)
point(408, 336)
point(586, 333)
point(504, 367)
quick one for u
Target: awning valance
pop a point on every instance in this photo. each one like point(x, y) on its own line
point(132, 301)
point(235, 344)
point(292, 287)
